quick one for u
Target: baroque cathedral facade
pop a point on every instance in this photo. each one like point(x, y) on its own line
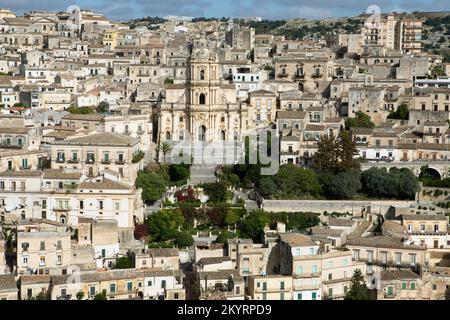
point(205, 108)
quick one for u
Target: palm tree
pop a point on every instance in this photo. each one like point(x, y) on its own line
point(165, 148)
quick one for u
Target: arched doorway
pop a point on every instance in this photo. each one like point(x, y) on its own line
point(202, 133)
point(168, 137)
point(63, 219)
point(202, 98)
point(301, 87)
point(222, 135)
point(430, 173)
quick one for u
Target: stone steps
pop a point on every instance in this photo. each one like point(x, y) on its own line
point(202, 174)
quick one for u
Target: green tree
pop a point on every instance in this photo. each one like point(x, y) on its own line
point(224, 236)
point(43, 296)
point(358, 288)
point(293, 181)
point(402, 113)
point(179, 172)
point(405, 183)
point(361, 120)
point(253, 225)
point(124, 263)
point(376, 182)
point(215, 191)
point(165, 148)
point(347, 150)
point(336, 155)
point(326, 157)
point(438, 71)
point(397, 183)
point(80, 295)
point(153, 185)
point(345, 185)
point(267, 186)
point(183, 239)
point(100, 295)
point(81, 110)
point(102, 107)
point(164, 224)
point(295, 220)
point(231, 217)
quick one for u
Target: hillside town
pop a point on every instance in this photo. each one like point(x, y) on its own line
point(126, 166)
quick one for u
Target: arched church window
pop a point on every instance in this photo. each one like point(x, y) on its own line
point(168, 135)
point(222, 135)
point(202, 99)
point(202, 133)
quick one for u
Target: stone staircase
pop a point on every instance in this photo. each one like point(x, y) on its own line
point(202, 174)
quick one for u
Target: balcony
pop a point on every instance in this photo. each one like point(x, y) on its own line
point(307, 275)
point(283, 75)
point(299, 76)
point(60, 160)
point(308, 286)
point(120, 162)
point(388, 263)
point(10, 146)
point(90, 161)
point(272, 290)
point(106, 161)
point(138, 156)
point(26, 167)
point(336, 280)
point(316, 75)
point(73, 161)
point(61, 209)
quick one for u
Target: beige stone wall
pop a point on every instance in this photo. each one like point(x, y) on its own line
point(53, 257)
point(270, 288)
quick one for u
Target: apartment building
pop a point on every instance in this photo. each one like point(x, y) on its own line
point(19, 138)
point(399, 285)
point(251, 258)
point(270, 287)
point(300, 258)
point(223, 284)
point(386, 253)
point(157, 259)
point(14, 159)
point(103, 235)
point(120, 285)
point(64, 196)
point(43, 248)
point(311, 74)
point(99, 152)
point(337, 271)
point(429, 230)
point(409, 35)
point(393, 32)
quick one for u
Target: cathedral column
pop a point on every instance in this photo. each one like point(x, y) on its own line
point(227, 131)
point(173, 125)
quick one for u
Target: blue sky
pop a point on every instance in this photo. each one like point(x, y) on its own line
point(271, 9)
